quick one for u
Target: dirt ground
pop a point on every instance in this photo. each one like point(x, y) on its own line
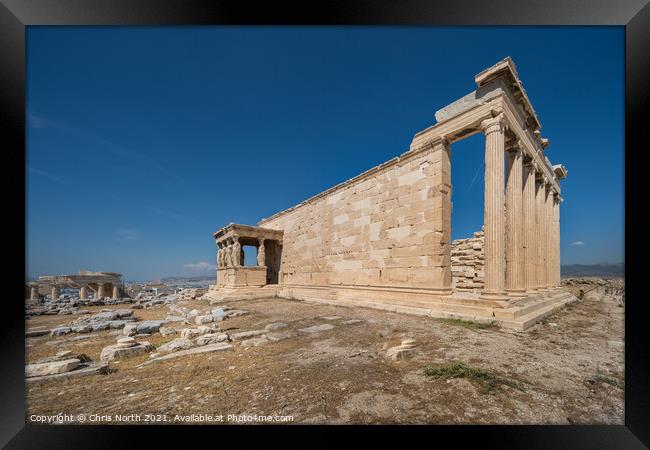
point(567, 369)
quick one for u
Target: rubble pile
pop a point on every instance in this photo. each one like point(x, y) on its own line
point(69, 304)
point(467, 262)
point(191, 293)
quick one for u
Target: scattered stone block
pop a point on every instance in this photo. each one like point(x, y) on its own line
point(84, 369)
point(331, 317)
point(176, 345)
point(200, 320)
point(113, 352)
point(127, 341)
point(130, 329)
point(86, 328)
point(279, 336)
point(247, 334)
point(189, 333)
point(101, 326)
point(123, 313)
point(51, 368)
point(211, 338)
point(235, 313)
point(165, 331)
point(149, 326)
point(222, 346)
point(317, 328)
point(405, 350)
point(60, 331)
point(218, 314)
point(254, 342)
point(36, 333)
point(351, 321)
point(275, 326)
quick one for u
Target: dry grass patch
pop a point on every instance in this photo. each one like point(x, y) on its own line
point(490, 380)
point(471, 325)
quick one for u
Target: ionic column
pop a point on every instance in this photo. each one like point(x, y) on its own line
point(530, 228)
point(116, 291)
point(550, 232)
point(33, 293)
point(55, 292)
point(494, 247)
point(100, 291)
point(556, 216)
point(515, 284)
point(83, 292)
point(261, 253)
point(540, 217)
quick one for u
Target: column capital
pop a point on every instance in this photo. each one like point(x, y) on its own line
point(493, 125)
point(529, 162)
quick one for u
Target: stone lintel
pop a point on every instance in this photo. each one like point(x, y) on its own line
point(253, 233)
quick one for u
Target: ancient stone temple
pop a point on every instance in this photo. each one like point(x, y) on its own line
point(101, 284)
point(383, 238)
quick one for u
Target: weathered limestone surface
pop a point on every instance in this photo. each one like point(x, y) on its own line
point(515, 285)
point(391, 227)
point(494, 221)
point(467, 262)
point(530, 228)
point(51, 368)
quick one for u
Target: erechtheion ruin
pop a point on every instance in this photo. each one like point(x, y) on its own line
point(383, 238)
point(101, 284)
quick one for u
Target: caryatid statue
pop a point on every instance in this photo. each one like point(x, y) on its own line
point(236, 253)
point(219, 255)
point(227, 255)
point(241, 258)
point(261, 256)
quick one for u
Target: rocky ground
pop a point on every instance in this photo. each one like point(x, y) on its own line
point(329, 364)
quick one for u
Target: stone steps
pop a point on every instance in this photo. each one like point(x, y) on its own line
point(523, 322)
point(530, 306)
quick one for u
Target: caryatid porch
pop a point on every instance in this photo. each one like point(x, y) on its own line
point(231, 268)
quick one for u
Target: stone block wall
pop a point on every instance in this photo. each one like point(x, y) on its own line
point(382, 228)
point(467, 263)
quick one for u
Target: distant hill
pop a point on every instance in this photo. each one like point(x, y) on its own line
point(187, 279)
point(593, 270)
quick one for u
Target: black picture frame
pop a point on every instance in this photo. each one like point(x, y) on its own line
point(634, 15)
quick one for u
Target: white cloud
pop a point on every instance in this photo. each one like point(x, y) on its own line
point(201, 266)
point(577, 243)
point(127, 234)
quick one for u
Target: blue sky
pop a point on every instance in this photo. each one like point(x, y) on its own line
point(141, 142)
